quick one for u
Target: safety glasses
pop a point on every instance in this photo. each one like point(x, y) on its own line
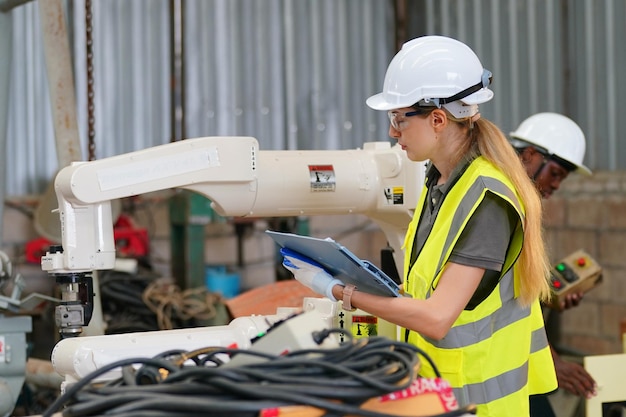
point(398, 120)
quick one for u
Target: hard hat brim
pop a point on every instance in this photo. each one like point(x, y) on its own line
point(379, 102)
point(479, 97)
point(581, 169)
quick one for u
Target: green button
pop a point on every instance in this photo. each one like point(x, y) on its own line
point(560, 267)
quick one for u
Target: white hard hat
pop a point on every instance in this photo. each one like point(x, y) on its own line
point(557, 134)
point(434, 70)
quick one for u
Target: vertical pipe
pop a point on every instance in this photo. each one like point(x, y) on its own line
point(177, 71)
point(223, 72)
point(60, 81)
point(290, 75)
point(91, 127)
point(63, 100)
point(6, 44)
point(236, 64)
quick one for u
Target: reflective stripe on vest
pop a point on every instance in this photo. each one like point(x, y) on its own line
point(476, 331)
point(504, 384)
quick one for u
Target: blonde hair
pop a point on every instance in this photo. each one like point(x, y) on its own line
point(487, 139)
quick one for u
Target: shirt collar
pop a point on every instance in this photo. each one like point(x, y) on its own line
point(433, 174)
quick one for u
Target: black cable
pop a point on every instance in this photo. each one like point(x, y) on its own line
point(338, 381)
point(55, 406)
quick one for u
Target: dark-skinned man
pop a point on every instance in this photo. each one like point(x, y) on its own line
point(551, 146)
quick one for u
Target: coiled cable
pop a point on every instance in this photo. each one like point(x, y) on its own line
point(184, 384)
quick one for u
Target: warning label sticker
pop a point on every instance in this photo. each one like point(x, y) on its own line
point(322, 178)
point(394, 195)
point(364, 326)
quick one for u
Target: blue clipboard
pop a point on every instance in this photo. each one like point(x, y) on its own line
point(338, 261)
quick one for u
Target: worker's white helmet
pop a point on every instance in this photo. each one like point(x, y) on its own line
point(434, 70)
point(558, 135)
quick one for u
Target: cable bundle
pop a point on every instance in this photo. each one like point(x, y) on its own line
point(334, 381)
point(122, 304)
point(167, 301)
point(146, 302)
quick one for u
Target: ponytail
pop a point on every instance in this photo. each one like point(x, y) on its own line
point(533, 263)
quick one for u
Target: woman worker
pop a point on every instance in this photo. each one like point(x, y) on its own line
point(475, 264)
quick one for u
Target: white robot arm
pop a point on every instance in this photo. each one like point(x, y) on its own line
point(377, 181)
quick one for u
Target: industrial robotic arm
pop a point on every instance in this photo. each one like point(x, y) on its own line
point(377, 181)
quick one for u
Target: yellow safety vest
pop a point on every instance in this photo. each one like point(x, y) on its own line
point(496, 355)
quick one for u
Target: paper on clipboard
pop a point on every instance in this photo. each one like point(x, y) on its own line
point(340, 263)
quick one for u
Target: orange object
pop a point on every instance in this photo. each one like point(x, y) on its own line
point(266, 299)
point(425, 397)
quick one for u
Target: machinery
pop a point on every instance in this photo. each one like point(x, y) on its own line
point(13, 330)
point(76, 357)
point(377, 181)
point(12, 341)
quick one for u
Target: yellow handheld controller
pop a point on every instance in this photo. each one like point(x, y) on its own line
point(577, 272)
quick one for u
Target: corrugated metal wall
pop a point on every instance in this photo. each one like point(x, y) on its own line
point(565, 56)
point(295, 73)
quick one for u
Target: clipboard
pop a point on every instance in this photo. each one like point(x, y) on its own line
point(338, 261)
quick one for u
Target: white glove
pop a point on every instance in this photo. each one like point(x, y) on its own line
point(310, 273)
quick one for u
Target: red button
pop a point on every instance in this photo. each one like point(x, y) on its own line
point(581, 261)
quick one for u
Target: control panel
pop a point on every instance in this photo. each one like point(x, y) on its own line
point(577, 272)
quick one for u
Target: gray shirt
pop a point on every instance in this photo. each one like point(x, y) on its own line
point(485, 239)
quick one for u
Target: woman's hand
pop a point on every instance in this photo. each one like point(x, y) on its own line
point(309, 273)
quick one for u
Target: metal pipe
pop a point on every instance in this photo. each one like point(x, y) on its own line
point(63, 103)
point(290, 74)
point(177, 59)
point(60, 81)
point(6, 45)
